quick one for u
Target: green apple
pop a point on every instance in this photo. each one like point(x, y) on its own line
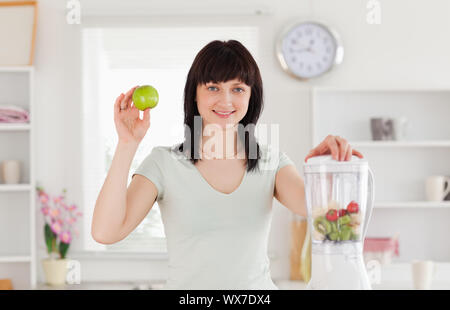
point(145, 97)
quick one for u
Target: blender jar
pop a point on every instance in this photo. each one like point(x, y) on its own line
point(337, 198)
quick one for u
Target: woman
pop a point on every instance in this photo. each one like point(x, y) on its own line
point(215, 192)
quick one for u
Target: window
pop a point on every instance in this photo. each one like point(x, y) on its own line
point(115, 60)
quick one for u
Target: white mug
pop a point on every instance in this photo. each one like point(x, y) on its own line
point(400, 125)
point(11, 171)
point(422, 274)
point(437, 187)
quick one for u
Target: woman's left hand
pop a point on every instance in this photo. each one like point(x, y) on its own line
point(338, 147)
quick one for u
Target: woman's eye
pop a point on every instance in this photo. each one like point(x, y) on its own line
point(237, 89)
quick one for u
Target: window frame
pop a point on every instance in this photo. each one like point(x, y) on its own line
point(261, 22)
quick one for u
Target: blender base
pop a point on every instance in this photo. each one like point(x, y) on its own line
point(340, 267)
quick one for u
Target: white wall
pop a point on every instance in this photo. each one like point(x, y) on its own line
point(409, 49)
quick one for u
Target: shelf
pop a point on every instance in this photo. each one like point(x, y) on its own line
point(378, 89)
point(413, 204)
point(8, 69)
point(400, 167)
point(14, 126)
point(15, 259)
point(14, 187)
point(431, 143)
point(18, 256)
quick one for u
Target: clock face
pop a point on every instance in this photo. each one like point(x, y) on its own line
point(309, 50)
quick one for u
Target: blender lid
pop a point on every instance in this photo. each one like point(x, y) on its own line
point(325, 163)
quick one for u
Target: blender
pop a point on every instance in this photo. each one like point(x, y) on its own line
point(339, 200)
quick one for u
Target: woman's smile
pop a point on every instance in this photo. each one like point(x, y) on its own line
point(223, 114)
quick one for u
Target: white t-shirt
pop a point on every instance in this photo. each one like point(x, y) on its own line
point(214, 240)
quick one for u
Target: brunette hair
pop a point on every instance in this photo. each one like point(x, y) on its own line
point(221, 61)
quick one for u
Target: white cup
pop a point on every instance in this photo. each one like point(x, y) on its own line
point(400, 125)
point(11, 171)
point(437, 187)
point(423, 272)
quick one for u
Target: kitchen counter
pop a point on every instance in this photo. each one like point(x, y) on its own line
point(122, 285)
point(396, 276)
point(300, 285)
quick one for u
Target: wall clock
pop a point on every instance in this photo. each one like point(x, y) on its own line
point(308, 49)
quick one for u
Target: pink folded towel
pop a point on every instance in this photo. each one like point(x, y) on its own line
point(13, 114)
point(389, 244)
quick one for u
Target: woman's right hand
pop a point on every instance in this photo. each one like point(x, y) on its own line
point(130, 128)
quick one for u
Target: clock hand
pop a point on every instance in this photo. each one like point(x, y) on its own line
point(300, 50)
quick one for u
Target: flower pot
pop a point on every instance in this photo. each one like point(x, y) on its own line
point(55, 271)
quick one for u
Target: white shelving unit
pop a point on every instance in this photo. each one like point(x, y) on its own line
point(17, 201)
point(400, 167)
point(15, 127)
point(15, 259)
point(14, 187)
point(413, 204)
point(410, 144)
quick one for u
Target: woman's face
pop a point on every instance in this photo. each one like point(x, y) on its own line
point(231, 98)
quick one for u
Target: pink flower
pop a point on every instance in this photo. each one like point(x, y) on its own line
point(54, 213)
point(56, 227)
point(72, 208)
point(65, 237)
point(57, 199)
point(43, 198)
point(79, 213)
point(45, 210)
point(61, 216)
point(71, 220)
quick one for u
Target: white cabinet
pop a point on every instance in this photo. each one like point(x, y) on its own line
point(400, 167)
point(17, 201)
